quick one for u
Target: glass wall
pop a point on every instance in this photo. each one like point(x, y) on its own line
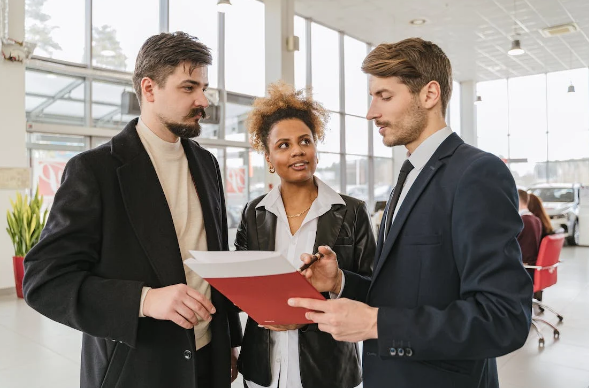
point(93, 92)
point(537, 127)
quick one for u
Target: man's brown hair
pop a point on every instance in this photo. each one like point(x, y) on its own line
point(524, 197)
point(416, 62)
point(161, 54)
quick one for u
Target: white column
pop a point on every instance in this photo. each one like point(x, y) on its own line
point(279, 25)
point(468, 114)
point(13, 151)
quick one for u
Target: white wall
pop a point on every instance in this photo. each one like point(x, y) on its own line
point(12, 131)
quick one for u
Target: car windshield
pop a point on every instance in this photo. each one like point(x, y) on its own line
point(555, 194)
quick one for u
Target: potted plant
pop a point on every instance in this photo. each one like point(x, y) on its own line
point(25, 224)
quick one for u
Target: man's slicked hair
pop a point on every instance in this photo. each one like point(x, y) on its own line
point(416, 62)
point(161, 54)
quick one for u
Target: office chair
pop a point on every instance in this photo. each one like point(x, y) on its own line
point(545, 275)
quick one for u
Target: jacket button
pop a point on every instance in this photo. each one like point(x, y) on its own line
point(393, 351)
point(408, 352)
point(401, 352)
point(187, 354)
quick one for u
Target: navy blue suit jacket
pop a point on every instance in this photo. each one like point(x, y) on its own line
point(448, 280)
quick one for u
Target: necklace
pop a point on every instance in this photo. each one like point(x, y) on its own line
point(300, 214)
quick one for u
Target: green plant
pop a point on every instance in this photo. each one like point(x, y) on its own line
point(25, 223)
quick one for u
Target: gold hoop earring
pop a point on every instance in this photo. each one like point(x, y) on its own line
point(272, 169)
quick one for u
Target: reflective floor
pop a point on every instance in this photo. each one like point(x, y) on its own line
point(36, 352)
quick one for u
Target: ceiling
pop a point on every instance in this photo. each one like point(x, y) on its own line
point(475, 34)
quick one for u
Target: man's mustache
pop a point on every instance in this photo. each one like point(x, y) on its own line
point(197, 111)
point(382, 123)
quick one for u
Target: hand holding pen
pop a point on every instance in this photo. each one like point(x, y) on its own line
point(322, 270)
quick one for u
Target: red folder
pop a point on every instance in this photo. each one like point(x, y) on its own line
point(258, 282)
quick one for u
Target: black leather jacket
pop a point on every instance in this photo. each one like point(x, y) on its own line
point(324, 362)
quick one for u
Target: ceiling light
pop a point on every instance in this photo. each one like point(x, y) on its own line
point(418, 22)
point(223, 5)
point(571, 88)
point(516, 48)
point(478, 101)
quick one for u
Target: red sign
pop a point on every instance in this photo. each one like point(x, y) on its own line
point(235, 180)
point(50, 173)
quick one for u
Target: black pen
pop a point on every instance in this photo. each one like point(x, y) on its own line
point(314, 258)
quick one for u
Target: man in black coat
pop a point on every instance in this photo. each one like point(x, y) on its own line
point(109, 262)
point(448, 293)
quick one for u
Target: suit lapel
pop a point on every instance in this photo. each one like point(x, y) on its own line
point(328, 226)
point(445, 150)
point(147, 207)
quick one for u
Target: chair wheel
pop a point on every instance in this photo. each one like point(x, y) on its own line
point(560, 318)
point(541, 309)
point(556, 334)
point(541, 342)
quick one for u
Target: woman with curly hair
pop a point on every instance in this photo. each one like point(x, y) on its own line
point(297, 217)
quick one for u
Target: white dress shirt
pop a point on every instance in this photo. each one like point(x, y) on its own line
point(419, 158)
point(284, 355)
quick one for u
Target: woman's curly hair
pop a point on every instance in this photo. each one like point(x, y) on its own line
point(284, 102)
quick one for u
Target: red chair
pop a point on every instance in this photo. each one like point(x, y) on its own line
point(545, 275)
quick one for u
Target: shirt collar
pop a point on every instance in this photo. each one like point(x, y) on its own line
point(326, 197)
point(426, 150)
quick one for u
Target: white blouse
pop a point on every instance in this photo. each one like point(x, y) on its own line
point(284, 355)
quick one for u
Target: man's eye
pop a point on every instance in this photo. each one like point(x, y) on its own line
point(386, 98)
point(188, 88)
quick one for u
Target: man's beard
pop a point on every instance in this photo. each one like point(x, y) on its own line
point(187, 131)
point(409, 128)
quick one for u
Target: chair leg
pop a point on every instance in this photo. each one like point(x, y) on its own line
point(542, 306)
point(540, 336)
point(555, 330)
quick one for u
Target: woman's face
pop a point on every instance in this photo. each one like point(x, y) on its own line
point(292, 150)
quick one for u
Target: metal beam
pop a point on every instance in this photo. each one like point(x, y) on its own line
point(39, 109)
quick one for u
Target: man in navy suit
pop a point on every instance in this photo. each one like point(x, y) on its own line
point(448, 292)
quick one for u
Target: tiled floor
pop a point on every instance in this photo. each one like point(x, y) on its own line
point(38, 353)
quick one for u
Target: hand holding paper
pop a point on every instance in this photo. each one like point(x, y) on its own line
point(258, 282)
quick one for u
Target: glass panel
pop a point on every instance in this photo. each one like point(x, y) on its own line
point(245, 61)
point(182, 14)
point(325, 66)
point(332, 140)
point(106, 105)
point(383, 178)
point(235, 118)
point(378, 146)
point(497, 145)
point(527, 174)
point(492, 118)
point(567, 112)
point(527, 106)
point(257, 175)
point(300, 69)
point(118, 31)
point(236, 188)
point(328, 170)
point(58, 34)
point(356, 135)
point(355, 80)
point(357, 177)
point(455, 108)
point(569, 171)
point(54, 98)
point(568, 145)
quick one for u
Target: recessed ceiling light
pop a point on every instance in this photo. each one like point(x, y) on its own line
point(418, 22)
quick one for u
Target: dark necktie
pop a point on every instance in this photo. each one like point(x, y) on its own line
point(405, 170)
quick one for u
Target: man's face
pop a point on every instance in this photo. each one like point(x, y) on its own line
point(180, 103)
point(397, 113)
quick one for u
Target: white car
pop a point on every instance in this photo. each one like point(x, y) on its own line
point(561, 202)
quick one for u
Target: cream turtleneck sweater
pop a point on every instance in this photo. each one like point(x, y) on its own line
point(174, 176)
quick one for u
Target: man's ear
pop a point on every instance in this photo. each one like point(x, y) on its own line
point(147, 89)
point(431, 94)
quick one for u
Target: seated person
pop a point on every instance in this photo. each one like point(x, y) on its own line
point(531, 235)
